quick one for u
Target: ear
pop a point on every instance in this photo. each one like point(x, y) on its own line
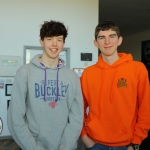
point(95, 43)
point(120, 40)
point(41, 42)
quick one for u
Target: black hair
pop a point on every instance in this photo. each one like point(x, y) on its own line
point(53, 28)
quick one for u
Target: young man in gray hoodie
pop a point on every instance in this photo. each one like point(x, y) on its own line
point(46, 109)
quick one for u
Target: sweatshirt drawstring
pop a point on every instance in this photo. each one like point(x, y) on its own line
point(101, 88)
point(112, 87)
point(44, 80)
point(57, 87)
point(56, 99)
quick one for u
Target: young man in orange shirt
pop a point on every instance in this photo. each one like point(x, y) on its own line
point(116, 90)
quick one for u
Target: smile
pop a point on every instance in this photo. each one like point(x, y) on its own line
point(54, 49)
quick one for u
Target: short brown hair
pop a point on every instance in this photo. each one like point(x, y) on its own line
point(106, 25)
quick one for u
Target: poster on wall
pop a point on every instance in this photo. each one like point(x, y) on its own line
point(8, 89)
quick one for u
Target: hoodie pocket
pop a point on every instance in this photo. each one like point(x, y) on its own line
point(43, 140)
point(49, 136)
point(107, 130)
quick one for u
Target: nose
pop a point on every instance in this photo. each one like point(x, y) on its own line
point(54, 42)
point(107, 40)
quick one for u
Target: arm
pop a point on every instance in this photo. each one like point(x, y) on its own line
point(88, 142)
point(74, 126)
point(16, 113)
point(142, 125)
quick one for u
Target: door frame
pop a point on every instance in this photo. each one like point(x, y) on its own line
point(41, 48)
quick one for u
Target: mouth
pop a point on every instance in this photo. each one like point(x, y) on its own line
point(54, 50)
point(108, 47)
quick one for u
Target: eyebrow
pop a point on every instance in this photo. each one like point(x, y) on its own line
point(54, 36)
point(60, 37)
point(109, 35)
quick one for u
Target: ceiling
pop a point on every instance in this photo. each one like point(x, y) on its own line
point(132, 16)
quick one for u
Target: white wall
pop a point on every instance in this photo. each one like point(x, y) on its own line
point(132, 44)
point(20, 22)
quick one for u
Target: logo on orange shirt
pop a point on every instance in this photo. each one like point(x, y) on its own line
point(122, 83)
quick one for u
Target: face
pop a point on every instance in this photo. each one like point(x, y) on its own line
point(108, 41)
point(52, 46)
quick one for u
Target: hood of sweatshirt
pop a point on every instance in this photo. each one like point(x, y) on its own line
point(35, 61)
point(123, 58)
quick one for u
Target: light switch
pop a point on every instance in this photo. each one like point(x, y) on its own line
point(85, 63)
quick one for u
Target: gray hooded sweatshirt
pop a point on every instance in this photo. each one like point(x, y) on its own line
point(46, 108)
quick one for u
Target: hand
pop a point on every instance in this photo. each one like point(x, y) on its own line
point(130, 148)
point(88, 142)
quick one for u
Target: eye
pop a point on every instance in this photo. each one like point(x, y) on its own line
point(113, 36)
point(101, 38)
point(60, 40)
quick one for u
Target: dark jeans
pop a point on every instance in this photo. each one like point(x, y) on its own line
point(103, 147)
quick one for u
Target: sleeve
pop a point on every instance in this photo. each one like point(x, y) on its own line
point(84, 91)
point(142, 125)
point(17, 111)
point(73, 128)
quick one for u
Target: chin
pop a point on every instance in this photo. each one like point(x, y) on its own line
point(54, 57)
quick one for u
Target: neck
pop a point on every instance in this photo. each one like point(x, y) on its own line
point(52, 63)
